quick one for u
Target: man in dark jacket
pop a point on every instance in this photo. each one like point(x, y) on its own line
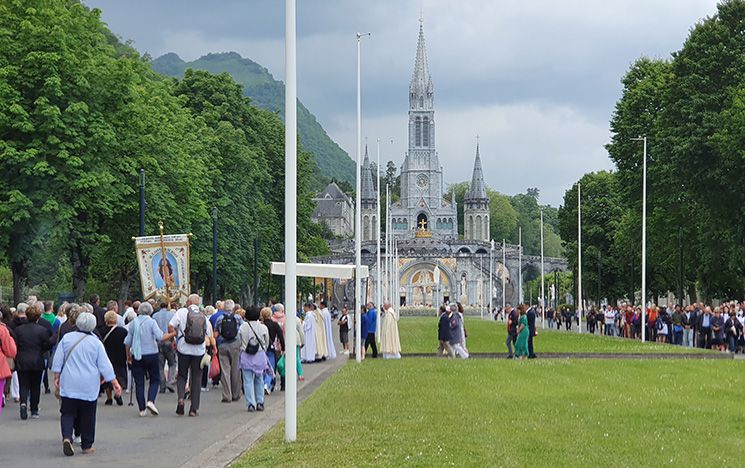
point(531, 332)
point(98, 311)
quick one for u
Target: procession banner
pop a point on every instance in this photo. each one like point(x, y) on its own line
point(164, 279)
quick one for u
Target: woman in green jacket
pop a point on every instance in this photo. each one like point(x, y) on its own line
point(521, 347)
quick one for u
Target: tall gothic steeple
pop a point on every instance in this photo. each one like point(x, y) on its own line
point(369, 202)
point(368, 193)
point(476, 205)
point(421, 89)
point(477, 191)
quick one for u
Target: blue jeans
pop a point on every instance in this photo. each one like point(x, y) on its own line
point(688, 337)
point(253, 388)
point(148, 364)
point(732, 342)
point(272, 362)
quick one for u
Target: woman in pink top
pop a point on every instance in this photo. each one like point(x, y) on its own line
point(7, 351)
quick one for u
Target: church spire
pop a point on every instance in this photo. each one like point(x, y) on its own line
point(421, 81)
point(368, 192)
point(477, 190)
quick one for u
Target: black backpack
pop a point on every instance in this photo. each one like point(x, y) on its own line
point(229, 327)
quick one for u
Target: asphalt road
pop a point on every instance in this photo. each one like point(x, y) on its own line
point(221, 432)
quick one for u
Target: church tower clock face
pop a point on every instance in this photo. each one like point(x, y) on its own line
point(422, 181)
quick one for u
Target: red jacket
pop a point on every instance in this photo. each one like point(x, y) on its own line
point(7, 351)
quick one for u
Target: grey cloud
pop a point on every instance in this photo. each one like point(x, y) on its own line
point(541, 66)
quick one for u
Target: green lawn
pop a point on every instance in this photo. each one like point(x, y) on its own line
point(419, 335)
point(562, 412)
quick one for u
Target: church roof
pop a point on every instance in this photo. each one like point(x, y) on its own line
point(368, 191)
point(421, 80)
point(333, 192)
point(477, 191)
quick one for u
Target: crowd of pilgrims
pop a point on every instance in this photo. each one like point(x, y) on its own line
point(696, 325)
point(85, 352)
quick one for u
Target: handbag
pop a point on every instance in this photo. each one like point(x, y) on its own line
point(214, 366)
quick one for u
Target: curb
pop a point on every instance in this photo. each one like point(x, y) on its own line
point(695, 356)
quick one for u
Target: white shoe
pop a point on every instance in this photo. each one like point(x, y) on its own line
point(266, 390)
point(76, 440)
point(143, 413)
point(151, 407)
point(205, 389)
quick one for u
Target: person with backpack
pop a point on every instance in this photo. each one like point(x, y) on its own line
point(229, 352)
point(190, 328)
point(254, 362)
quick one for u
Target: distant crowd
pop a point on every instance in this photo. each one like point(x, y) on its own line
point(83, 352)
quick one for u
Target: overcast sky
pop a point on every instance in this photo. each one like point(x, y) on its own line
point(537, 80)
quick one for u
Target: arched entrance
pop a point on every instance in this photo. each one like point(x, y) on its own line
point(420, 288)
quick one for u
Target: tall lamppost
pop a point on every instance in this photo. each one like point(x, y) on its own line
point(543, 281)
point(214, 254)
point(358, 219)
point(143, 204)
point(504, 274)
point(579, 255)
point(378, 285)
point(643, 139)
point(491, 275)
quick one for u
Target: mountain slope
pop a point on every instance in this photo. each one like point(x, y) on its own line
point(268, 93)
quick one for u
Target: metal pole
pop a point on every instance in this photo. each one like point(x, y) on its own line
point(290, 222)
point(214, 254)
point(481, 284)
point(557, 288)
point(644, 236)
point(520, 292)
point(142, 202)
point(504, 274)
point(358, 221)
point(378, 285)
point(644, 241)
point(491, 275)
point(256, 269)
point(388, 245)
point(579, 254)
point(543, 280)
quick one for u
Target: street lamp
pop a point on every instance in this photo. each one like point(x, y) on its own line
point(643, 139)
point(214, 254)
point(358, 219)
point(579, 255)
point(491, 275)
point(143, 204)
point(378, 289)
point(543, 281)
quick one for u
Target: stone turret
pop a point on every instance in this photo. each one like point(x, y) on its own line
point(476, 205)
point(369, 201)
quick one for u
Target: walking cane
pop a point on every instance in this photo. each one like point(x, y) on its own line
point(131, 390)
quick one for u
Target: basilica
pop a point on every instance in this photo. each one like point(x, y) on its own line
point(436, 264)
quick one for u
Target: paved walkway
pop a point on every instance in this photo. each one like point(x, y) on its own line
point(220, 434)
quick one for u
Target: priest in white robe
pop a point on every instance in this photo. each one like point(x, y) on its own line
point(308, 351)
point(322, 348)
point(390, 345)
point(329, 335)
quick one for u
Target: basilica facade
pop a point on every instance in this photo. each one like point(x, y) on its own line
point(436, 264)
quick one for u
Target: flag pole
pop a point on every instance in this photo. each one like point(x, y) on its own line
point(290, 221)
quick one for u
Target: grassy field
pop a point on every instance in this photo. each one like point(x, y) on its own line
point(435, 412)
point(419, 335)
